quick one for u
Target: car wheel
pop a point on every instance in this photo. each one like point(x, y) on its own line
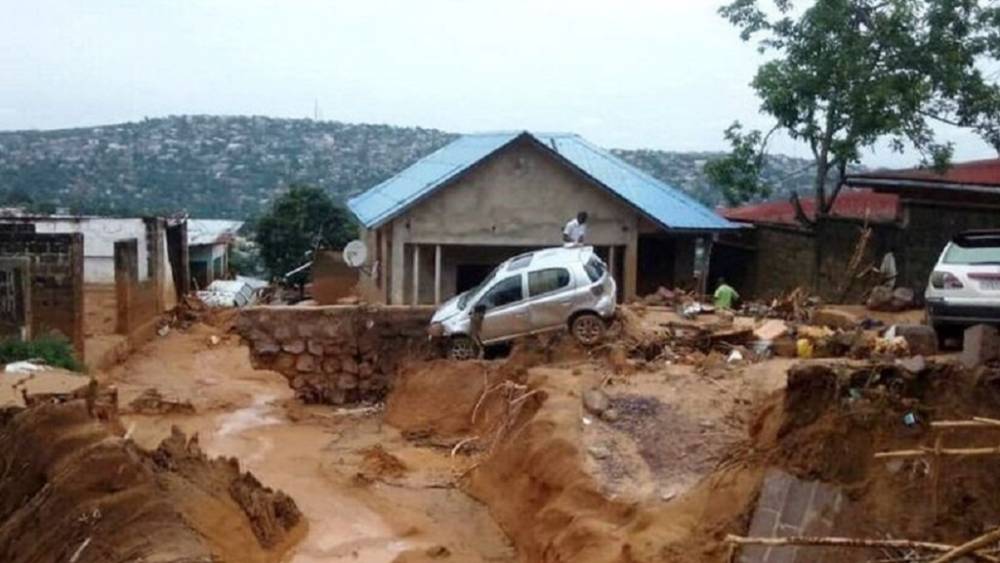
point(462, 348)
point(588, 328)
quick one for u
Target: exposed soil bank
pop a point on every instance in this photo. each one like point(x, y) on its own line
point(73, 490)
point(568, 485)
point(320, 456)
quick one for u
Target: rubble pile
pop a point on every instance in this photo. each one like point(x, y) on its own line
point(335, 355)
point(884, 298)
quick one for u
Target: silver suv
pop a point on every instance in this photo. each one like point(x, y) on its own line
point(964, 288)
point(550, 289)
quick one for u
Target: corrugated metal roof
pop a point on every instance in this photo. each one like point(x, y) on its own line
point(211, 231)
point(668, 206)
point(857, 204)
point(971, 172)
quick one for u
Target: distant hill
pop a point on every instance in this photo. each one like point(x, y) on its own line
point(232, 167)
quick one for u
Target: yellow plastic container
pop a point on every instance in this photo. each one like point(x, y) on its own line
point(804, 348)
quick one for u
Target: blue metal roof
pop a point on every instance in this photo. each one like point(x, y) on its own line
point(667, 206)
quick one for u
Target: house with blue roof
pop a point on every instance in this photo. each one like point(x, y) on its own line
point(440, 226)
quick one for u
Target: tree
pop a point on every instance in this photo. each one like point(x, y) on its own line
point(740, 173)
point(300, 221)
point(849, 73)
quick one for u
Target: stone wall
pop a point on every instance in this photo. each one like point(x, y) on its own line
point(338, 354)
point(791, 507)
point(56, 271)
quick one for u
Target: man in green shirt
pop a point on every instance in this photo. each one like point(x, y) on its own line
point(725, 295)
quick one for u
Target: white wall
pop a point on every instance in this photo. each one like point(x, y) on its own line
point(99, 236)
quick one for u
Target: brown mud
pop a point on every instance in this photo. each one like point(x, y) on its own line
point(75, 490)
point(501, 460)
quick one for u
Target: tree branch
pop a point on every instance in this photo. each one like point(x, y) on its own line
point(800, 214)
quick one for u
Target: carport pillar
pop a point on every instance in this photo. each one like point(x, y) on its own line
point(416, 274)
point(437, 274)
point(631, 273)
point(613, 260)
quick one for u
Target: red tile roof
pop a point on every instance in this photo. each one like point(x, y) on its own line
point(850, 203)
point(972, 172)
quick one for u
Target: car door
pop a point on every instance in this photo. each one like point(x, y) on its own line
point(550, 298)
point(506, 311)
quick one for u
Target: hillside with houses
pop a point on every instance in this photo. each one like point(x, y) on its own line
point(232, 167)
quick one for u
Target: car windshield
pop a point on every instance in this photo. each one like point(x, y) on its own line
point(463, 299)
point(972, 255)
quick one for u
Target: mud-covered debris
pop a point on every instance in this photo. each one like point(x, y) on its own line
point(377, 463)
point(914, 364)
point(438, 552)
point(151, 401)
point(835, 318)
point(883, 298)
point(920, 339)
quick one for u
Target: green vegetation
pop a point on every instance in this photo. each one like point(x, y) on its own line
point(847, 74)
point(53, 351)
point(302, 220)
point(234, 167)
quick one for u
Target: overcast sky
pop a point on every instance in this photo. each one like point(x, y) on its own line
point(665, 74)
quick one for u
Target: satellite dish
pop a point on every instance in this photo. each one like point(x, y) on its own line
point(355, 253)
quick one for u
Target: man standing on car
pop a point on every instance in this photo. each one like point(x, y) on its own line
point(575, 230)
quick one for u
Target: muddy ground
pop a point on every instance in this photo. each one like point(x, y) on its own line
point(510, 460)
point(388, 483)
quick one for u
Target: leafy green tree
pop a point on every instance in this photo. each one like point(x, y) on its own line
point(300, 221)
point(846, 74)
point(740, 173)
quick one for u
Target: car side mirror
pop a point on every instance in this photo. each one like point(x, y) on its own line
point(479, 309)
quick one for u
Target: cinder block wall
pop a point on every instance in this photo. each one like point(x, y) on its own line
point(335, 355)
point(785, 260)
point(56, 281)
point(929, 226)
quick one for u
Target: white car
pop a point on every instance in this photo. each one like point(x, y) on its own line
point(550, 289)
point(964, 288)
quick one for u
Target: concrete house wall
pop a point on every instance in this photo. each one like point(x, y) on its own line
point(514, 200)
point(99, 236)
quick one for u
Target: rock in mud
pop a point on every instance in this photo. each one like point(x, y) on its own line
point(596, 401)
point(438, 552)
point(835, 318)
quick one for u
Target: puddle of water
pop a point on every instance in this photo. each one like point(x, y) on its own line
point(257, 415)
point(289, 456)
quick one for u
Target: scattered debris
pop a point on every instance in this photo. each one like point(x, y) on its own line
point(920, 339)
point(883, 298)
point(26, 366)
point(835, 318)
point(151, 401)
point(378, 464)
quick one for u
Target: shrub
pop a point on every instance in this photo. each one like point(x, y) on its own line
point(54, 351)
